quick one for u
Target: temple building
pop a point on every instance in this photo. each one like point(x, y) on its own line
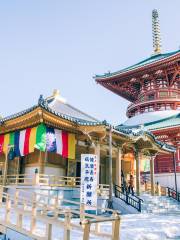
point(152, 87)
point(48, 139)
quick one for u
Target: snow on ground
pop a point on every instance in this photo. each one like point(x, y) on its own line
point(133, 227)
point(150, 227)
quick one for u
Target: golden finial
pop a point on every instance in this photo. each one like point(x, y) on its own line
point(156, 32)
point(56, 93)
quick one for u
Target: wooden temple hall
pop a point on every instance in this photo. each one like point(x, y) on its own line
point(47, 141)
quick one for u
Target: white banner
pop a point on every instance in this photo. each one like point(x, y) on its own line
point(89, 180)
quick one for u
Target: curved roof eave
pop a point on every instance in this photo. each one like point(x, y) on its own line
point(145, 63)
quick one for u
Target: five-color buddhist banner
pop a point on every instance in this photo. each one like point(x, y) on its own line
point(41, 137)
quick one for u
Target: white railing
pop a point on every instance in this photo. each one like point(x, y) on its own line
point(37, 208)
point(40, 179)
point(49, 180)
point(158, 189)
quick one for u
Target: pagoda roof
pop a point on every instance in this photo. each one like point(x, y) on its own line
point(171, 121)
point(150, 117)
point(146, 62)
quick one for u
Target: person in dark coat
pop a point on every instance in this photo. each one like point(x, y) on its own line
point(131, 185)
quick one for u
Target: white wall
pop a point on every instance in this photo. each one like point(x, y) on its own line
point(30, 170)
point(167, 180)
point(47, 170)
point(54, 171)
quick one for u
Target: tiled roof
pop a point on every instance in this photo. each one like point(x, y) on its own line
point(59, 106)
point(150, 60)
point(138, 131)
point(121, 128)
point(77, 116)
point(164, 123)
point(150, 117)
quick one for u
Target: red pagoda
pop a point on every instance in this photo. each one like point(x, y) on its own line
point(153, 88)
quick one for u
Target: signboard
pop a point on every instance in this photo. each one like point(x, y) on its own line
point(89, 180)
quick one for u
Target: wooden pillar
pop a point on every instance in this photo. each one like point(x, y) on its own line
point(118, 166)
point(8, 209)
point(19, 220)
point(5, 168)
point(67, 226)
point(86, 229)
point(116, 227)
point(33, 214)
point(138, 156)
point(42, 156)
point(110, 165)
point(152, 176)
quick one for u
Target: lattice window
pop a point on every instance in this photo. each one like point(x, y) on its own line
point(176, 84)
point(141, 99)
point(163, 94)
point(148, 84)
point(161, 83)
point(151, 97)
point(174, 94)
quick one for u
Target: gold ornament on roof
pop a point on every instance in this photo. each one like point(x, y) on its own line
point(156, 32)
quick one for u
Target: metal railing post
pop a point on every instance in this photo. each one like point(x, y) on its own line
point(127, 197)
point(139, 205)
point(168, 192)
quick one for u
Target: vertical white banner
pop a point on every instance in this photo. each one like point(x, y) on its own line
point(89, 180)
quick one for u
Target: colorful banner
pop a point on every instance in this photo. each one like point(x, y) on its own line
point(41, 137)
point(89, 180)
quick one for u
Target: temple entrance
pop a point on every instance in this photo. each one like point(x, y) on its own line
point(78, 169)
point(13, 166)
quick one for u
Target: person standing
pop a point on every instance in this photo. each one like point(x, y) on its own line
point(131, 185)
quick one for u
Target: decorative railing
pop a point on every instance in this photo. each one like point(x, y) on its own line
point(145, 101)
point(158, 189)
point(41, 179)
point(103, 190)
point(59, 181)
point(37, 179)
point(173, 194)
point(133, 201)
point(48, 210)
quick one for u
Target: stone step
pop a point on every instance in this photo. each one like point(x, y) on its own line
point(159, 204)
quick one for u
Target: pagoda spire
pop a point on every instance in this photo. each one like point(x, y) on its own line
point(156, 32)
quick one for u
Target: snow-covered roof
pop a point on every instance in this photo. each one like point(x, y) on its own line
point(58, 103)
point(150, 117)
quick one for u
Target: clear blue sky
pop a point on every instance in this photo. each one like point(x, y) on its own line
point(46, 45)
